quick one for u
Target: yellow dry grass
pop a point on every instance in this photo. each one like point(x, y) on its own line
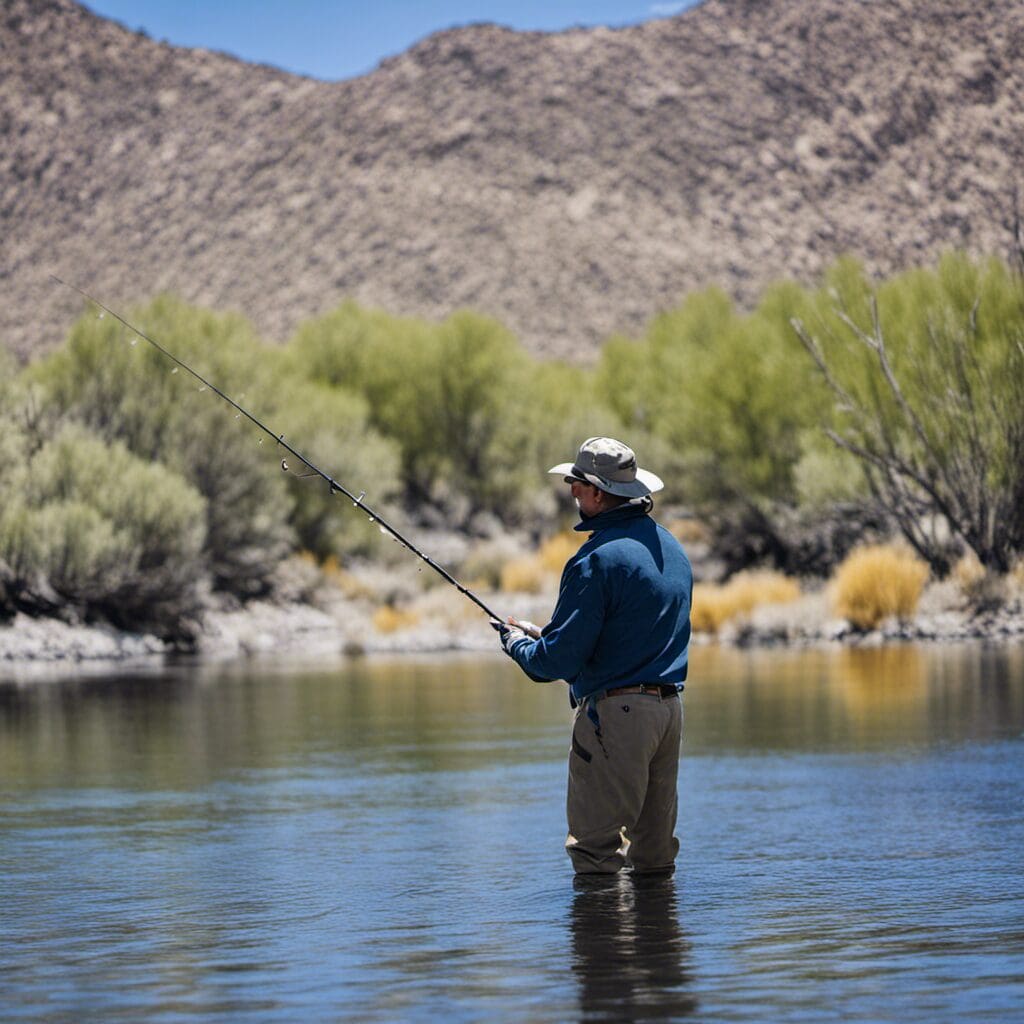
point(968, 573)
point(688, 531)
point(557, 550)
point(878, 582)
point(523, 575)
point(715, 604)
point(388, 619)
point(532, 573)
point(348, 584)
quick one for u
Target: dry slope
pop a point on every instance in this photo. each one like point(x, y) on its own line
point(570, 184)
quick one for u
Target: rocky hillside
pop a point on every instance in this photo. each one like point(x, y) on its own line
point(571, 184)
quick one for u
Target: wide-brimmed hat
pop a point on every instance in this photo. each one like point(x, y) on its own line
point(611, 466)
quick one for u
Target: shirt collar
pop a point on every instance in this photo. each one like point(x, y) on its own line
point(614, 516)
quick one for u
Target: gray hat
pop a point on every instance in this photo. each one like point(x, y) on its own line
point(611, 466)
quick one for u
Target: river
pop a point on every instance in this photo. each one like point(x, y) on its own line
point(381, 840)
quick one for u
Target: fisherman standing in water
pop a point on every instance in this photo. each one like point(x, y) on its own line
point(619, 636)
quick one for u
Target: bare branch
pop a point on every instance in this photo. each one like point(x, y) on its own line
point(935, 457)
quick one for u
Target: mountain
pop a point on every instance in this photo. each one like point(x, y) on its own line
point(571, 184)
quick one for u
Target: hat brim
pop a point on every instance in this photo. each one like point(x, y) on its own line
point(644, 484)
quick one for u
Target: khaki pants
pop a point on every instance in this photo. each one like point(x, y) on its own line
point(621, 803)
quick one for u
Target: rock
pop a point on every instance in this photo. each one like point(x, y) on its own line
point(262, 627)
point(444, 622)
point(28, 640)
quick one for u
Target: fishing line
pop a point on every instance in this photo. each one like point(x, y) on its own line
point(335, 487)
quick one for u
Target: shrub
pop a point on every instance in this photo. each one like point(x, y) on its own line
point(1017, 573)
point(100, 528)
point(557, 550)
point(729, 394)
point(1015, 583)
point(481, 567)
point(801, 541)
point(878, 582)
point(525, 575)
point(968, 573)
point(131, 393)
point(688, 531)
point(475, 420)
point(706, 613)
point(352, 587)
point(440, 391)
point(982, 589)
point(388, 619)
point(12, 439)
point(716, 604)
point(928, 373)
point(530, 574)
point(558, 407)
point(826, 475)
point(72, 546)
point(330, 426)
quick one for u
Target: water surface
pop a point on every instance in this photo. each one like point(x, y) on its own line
point(382, 840)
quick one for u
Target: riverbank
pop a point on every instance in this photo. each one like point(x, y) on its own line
point(440, 620)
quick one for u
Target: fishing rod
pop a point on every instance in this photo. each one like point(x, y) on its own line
point(335, 487)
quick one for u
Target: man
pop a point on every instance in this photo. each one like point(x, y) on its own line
point(619, 636)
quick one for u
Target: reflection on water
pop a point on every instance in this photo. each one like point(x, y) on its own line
point(197, 723)
point(628, 951)
point(854, 698)
point(382, 841)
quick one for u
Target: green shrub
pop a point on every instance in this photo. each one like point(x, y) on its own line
point(475, 419)
point(102, 529)
point(73, 547)
point(825, 475)
point(13, 439)
point(384, 359)
point(132, 393)
point(728, 394)
point(330, 427)
point(464, 412)
point(558, 407)
point(928, 374)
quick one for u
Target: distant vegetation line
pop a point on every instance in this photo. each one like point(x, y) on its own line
point(794, 431)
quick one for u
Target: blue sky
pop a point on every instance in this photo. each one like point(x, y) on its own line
point(333, 39)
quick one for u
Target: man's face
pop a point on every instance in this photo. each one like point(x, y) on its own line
point(588, 498)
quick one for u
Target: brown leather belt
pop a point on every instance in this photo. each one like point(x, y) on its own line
point(662, 690)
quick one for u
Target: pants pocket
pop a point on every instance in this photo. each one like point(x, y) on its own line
point(580, 750)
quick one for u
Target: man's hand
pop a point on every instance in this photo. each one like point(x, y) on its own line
point(510, 635)
point(532, 631)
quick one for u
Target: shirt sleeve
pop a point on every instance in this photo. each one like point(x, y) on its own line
point(568, 640)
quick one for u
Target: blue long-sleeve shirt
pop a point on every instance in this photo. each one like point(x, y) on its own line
point(623, 611)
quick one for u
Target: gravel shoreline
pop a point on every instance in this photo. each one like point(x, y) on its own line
point(347, 628)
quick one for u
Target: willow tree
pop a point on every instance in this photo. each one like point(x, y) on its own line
point(928, 374)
